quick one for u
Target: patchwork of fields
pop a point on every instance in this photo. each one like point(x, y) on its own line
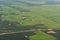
point(18, 15)
point(25, 13)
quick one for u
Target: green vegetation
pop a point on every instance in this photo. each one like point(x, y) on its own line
point(42, 36)
point(19, 15)
point(43, 14)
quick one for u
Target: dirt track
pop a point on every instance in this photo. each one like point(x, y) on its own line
point(27, 31)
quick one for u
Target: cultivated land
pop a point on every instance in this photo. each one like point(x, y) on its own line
point(18, 15)
point(44, 14)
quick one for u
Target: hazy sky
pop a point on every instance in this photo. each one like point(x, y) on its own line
point(54, 0)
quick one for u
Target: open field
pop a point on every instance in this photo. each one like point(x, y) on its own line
point(45, 14)
point(16, 15)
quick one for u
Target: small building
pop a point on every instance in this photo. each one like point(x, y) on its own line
point(26, 36)
point(9, 24)
point(51, 32)
point(49, 29)
point(23, 17)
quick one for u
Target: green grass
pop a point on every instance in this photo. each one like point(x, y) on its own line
point(49, 15)
point(42, 36)
point(46, 14)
